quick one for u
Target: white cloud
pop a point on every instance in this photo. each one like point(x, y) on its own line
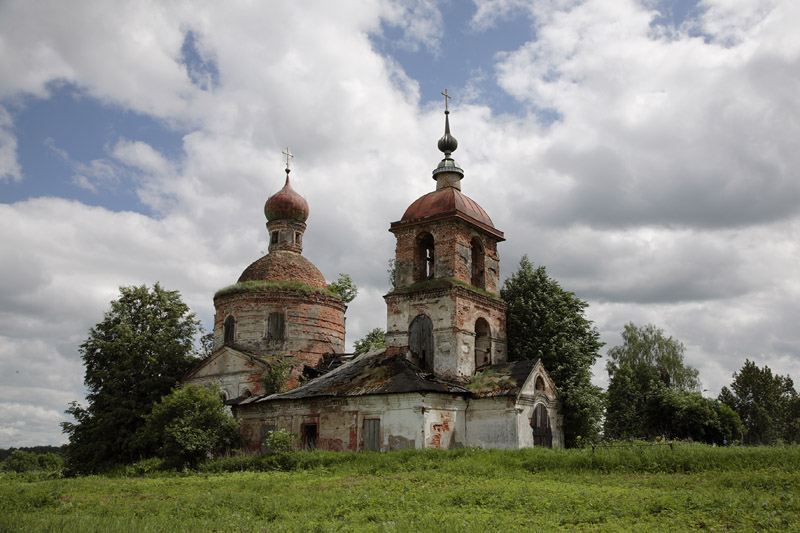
point(9, 166)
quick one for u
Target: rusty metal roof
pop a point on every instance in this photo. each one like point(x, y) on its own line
point(447, 202)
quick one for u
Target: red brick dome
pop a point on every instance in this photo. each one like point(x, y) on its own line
point(286, 204)
point(284, 266)
point(445, 202)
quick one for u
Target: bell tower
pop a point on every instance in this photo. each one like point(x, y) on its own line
point(445, 313)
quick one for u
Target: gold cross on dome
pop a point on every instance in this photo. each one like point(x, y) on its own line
point(289, 155)
point(446, 98)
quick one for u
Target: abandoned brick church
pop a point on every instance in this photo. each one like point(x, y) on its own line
point(442, 381)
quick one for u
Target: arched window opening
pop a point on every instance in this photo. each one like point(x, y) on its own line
point(420, 342)
point(229, 330)
point(483, 343)
point(247, 393)
point(540, 423)
point(539, 384)
point(424, 266)
point(478, 278)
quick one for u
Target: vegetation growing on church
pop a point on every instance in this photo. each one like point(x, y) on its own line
point(252, 285)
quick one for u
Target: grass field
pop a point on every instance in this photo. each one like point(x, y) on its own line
point(688, 487)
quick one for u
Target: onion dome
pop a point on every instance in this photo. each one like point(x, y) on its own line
point(284, 266)
point(286, 204)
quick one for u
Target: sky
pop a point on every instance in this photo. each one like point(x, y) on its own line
point(645, 152)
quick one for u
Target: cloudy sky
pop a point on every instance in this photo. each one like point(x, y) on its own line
point(645, 152)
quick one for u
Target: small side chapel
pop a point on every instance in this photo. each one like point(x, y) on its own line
point(443, 381)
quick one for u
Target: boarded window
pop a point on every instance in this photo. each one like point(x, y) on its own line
point(540, 423)
point(229, 330)
point(478, 276)
point(483, 343)
point(372, 434)
point(420, 342)
point(309, 436)
point(275, 326)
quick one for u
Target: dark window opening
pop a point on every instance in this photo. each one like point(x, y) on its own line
point(540, 423)
point(310, 436)
point(478, 278)
point(247, 393)
point(229, 330)
point(372, 434)
point(298, 237)
point(424, 267)
point(420, 342)
point(275, 326)
point(273, 237)
point(483, 343)
point(539, 384)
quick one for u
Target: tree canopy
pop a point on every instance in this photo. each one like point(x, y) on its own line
point(549, 323)
point(768, 404)
point(652, 392)
point(344, 288)
point(374, 340)
point(136, 355)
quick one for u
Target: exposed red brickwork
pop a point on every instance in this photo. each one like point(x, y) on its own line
point(284, 266)
point(313, 323)
point(453, 240)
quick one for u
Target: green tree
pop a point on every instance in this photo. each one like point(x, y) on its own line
point(688, 415)
point(136, 355)
point(646, 359)
point(374, 340)
point(767, 404)
point(188, 425)
point(547, 322)
point(344, 288)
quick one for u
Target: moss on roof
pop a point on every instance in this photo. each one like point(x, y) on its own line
point(442, 283)
point(259, 285)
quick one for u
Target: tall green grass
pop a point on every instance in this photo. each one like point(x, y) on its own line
point(680, 458)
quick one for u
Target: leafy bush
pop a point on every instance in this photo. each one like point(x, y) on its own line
point(189, 425)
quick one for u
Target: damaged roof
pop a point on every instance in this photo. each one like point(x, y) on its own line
point(501, 379)
point(370, 373)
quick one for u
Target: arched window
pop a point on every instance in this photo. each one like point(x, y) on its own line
point(540, 424)
point(478, 272)
point(229, 333)
point(483, 343)
point(539, 384)
point(424, 263)
point(420, 342)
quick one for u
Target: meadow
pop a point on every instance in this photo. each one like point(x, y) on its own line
point(609, 489)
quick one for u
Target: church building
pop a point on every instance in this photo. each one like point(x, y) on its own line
point(443, 380)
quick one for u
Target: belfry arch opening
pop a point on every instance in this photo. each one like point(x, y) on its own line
point(420, 342)
point(424, 262)
point(229, 330)
point(483, 343)
point(478, 276)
